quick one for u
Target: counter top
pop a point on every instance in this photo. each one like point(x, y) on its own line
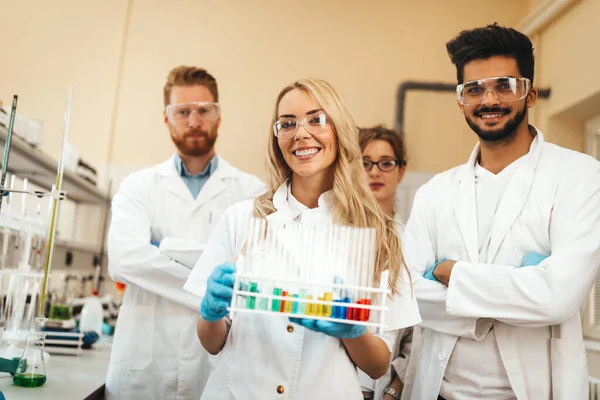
point(69, 376)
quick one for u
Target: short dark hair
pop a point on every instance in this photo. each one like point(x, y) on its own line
point(489, 41)
point(380, 132)
point(190, 76)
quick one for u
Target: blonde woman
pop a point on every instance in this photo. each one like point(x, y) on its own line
point(316, 176)
point(384, 160)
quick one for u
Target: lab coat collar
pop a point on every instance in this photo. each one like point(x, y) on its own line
point(167, 168)
point(213, 186)
point(290, 208)
point(513, 201)
point(532, 158)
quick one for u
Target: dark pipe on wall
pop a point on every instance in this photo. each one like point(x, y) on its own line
point(434, 87)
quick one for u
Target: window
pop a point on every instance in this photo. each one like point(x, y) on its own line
point(591, 322)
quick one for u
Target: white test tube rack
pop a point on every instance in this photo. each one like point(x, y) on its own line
point(240, 297)
point(247, 301)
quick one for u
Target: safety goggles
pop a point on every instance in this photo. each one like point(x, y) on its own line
point(286, 127)
point(205, 111)
point(507, 89)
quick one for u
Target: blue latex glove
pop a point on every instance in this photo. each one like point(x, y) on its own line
point(219, 291)
point(532, 258)
point(335, 329)
point(429, 273)
point(156, 244)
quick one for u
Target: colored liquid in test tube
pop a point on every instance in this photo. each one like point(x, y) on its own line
point(320, 307)
point(295, 305)
point(289, 305)
point(327, 309)
point(363, 313)
point(337, 311)
point(251, 300)
point(310, 307)
point(302, 294)
point(276, 304)
point(283, 302)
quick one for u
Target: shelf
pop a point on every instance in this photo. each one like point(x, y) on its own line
point(27, 161)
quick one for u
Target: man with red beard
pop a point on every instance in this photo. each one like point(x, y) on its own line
point(161, 218)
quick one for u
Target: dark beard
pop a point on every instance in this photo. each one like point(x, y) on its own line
point(502, 135)
point(196, 149)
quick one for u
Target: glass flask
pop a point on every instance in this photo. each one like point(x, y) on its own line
point(31, 371)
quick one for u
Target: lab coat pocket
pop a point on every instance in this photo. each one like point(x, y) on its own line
point(569, 369)
point(134, 337)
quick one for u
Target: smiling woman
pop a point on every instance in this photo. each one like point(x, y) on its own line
point(308, 154)
point(316, 177)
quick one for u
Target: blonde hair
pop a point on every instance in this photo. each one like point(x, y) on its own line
point(353, 202)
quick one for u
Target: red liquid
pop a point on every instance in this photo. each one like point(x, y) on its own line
point(282, 307)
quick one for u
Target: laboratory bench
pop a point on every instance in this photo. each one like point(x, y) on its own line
point(69, 377)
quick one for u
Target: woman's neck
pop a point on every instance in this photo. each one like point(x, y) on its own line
point(388, 205)
point(307, 190)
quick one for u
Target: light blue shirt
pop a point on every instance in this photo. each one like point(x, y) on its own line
point(195, 182)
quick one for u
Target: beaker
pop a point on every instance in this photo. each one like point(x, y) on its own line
point(31, 371)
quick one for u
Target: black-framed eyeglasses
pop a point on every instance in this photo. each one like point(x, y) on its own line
point(383, 165)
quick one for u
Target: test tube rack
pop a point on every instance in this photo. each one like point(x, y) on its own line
point(320, 272)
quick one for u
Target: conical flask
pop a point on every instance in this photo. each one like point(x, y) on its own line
point(31, 371)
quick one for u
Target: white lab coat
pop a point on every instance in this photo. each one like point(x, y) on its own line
point(551, 206)
point(400, 352)
point(156, 354)
point(261, 353)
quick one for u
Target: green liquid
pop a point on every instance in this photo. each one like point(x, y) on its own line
point(61, 312)
point(27, 380)
point(250, 300)
point(276, 304)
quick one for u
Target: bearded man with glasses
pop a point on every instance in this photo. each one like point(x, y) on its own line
point(162, 218)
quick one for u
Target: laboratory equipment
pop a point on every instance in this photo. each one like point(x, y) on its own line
point(31, 371)
point(317, 271)
point(58, 195)
point(23, 280)
point(92, 315)
point(11, 124)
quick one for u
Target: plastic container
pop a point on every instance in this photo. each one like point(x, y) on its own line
point(92, 315)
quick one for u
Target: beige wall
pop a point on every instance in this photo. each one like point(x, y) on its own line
point(47, 45)
point(366, 51)
point(255, 48)
point(568, 60)
point(533, 4)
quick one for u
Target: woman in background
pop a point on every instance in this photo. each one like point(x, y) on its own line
point(384, 160)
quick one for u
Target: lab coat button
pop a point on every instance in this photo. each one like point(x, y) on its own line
point(442, 356)
point(280, 389)
point(290, 328)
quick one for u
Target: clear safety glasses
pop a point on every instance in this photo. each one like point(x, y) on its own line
point(206, 111)
point(286, 127)
point(506, 89)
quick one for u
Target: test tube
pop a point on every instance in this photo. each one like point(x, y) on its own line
point(327, 270)
point(305, 243)
point(363, 314)
point(264, 232)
